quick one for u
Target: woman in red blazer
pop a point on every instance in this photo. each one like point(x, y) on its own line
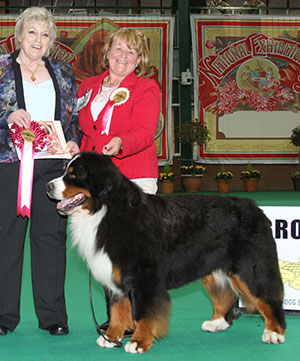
point(119, 109)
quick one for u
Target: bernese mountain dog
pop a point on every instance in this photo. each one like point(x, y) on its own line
point(138, 246)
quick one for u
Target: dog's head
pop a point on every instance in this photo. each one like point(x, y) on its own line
point(85, 184)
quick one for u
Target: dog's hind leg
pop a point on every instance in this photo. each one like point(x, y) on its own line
point(223, 299)
point(269, 308)
point(153, 325)
point(120, 320)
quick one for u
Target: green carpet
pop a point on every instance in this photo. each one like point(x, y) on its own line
point(185, 341)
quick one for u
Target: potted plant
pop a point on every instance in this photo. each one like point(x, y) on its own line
point(192, 177)
point(223, 179)
point(250, 178)
point(295, 140)
point(194, 133)
point(167, 180)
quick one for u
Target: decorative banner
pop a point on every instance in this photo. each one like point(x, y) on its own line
point(247, 86)
point(28, 141)
point(80, 42)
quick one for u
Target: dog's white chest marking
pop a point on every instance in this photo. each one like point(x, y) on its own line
point(84, 227)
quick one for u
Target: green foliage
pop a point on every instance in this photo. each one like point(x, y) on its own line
point(295, 140)
point(224, 174)
point(193, 132)
point(250, 173)
point(295, 137)
point(167, 174)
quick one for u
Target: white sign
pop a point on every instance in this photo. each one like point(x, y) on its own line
point(286, 231)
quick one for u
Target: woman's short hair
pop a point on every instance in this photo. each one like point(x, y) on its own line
point(37, 14)
point(135, 40)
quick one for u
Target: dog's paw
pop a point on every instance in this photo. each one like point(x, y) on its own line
point(216, 325)
point(272, 337)
point(133, 347)
point(104, 342)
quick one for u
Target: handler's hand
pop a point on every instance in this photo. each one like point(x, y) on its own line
point(113, 147)
point(72, 148)
point(19, 117)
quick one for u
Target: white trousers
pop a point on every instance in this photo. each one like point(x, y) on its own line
point(148, 185)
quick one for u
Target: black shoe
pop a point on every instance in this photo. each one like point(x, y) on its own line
point(104, 326)
point(57, 330)
point(3, 330)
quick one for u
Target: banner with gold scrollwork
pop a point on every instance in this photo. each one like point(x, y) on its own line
point(80, 41)
point(247, 86)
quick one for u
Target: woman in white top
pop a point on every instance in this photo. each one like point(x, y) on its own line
point(34, 88)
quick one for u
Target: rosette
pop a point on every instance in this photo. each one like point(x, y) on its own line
point(117, 97)
point(29, 141)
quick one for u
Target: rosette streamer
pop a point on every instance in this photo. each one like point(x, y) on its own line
point(29, 141)
point(117, 97)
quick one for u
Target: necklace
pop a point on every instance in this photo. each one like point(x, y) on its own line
point(33, 78)
point(108, 82)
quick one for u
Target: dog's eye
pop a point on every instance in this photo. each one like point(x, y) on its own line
point(72, 175)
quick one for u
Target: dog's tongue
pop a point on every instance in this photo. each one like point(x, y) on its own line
point(74, 201)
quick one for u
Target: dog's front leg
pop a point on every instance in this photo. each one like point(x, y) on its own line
point(151, 321)
point(120, 320)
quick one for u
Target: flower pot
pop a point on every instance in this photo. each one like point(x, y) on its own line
point(250, 184)
point(223, 186)
point(192, 183)
point(296, 183)
point(167, 186)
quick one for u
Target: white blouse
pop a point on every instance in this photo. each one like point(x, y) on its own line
point(100, 100)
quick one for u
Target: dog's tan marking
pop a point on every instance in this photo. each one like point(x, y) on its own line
point(71, 191)
point(89, 204)
point(266, 311)
point(143, 336)
point(146, 329)
point(222, 298)
point(116, 273)
point(120, 319)
point(160, 321)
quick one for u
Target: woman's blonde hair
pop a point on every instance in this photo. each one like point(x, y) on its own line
point(37, 14)
point(134, 40)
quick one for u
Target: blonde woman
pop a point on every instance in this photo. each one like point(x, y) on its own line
point(121, 110)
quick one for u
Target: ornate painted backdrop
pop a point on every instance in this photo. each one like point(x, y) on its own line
point(80, 41)
point(247, 72)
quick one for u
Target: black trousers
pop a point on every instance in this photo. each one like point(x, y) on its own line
point(47, 246)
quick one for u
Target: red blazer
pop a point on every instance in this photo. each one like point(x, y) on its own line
point(134, 121)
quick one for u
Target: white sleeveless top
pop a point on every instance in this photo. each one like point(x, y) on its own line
point(40, 100)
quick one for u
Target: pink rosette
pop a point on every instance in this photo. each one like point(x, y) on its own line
point(40, 136)
point(28, 141)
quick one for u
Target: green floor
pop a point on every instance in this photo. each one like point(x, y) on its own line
point(185, 342)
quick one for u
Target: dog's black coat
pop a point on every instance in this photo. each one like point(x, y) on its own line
point(163, 242)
